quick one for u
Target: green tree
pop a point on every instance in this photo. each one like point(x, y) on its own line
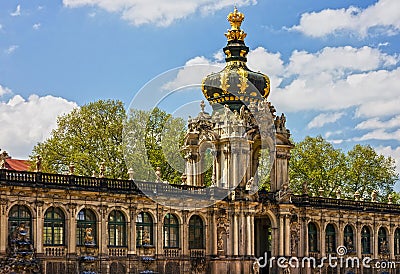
point(153, 139)
point(368, 171)
point(87, 136)
point(93, 134)
point(316, 162)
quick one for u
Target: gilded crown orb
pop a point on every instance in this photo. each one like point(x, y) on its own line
point(235, 18)
point(236, 85)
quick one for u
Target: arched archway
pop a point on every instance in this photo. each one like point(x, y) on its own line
point(263, 241)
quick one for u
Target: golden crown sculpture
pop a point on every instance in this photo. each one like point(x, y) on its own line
point(235, 19)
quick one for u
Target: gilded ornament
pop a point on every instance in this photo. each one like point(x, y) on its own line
point(243, 81)
point(243, 53)
point(224, 82)
point(235, 19)
point(267, 83)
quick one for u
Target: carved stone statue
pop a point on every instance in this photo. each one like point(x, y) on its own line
point(38, 163)
point(249, 183)
point(146, 238)
point(88, 236)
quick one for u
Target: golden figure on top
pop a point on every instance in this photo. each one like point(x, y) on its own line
point(235, 18)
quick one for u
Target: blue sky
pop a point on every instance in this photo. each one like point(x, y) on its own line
point(334, 65)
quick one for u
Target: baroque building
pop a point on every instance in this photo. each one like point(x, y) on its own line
point(65, 223)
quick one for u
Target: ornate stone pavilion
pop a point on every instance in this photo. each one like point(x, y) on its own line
point(79, 224)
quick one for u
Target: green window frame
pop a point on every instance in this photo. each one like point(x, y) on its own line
point(54, 227)
point(312, 237)
point(365, 240)
point(382, 241)
point(20, 214)
point(330, 238)
point(144, 229)
point(116, 229)
point(171, 231)
point(85, 219)
point(196, 232)
point(348, 238)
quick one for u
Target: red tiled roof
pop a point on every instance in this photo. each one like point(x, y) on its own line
point(18, 165)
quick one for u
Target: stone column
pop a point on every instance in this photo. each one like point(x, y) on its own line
point(38, 240)
point(287, 235)
point(252, 235)
point(159, 233)
point(184, 239)
point(234, 167)
point(322, 239)
point(358, 240)
point(375, 243)
point(214, 237)
point(340, 240)
point(248, 232)
point(71, 228)
point(281, 235)
point(102, 236)
point(132, 232)
point(235, 234)
point(3, 225)
point(391, 240)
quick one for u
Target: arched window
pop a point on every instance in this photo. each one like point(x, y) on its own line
point(365, 240)
point(312, 238)
point(144, 229)
point(171, 231)
point(397, 241)
point(348, 238)
point(116, 229)
point(382, 241)
point(330, 239)
point(54, 227)
point(20, 215)
point(196, 232)
point(86, 222)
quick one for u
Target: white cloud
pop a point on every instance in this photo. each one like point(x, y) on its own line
point(331, 133)
point(1, 26)
point(4, 90)
point(379, 134)
point(324, 118)
point(332, 79)
point(392, 152)
point(340, 78)
point(17, 11)
point(387, 105)
point(382, 17)
point(11, 49)
point(158, 12)
point(36, 26)
point(336, 61)
point(26, 122)
point(376, 123)
point(192, 73)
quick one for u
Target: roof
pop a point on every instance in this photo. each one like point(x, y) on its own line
point(18, 165)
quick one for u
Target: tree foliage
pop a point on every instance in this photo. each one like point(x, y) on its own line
point(151, 140)
point(86, 137)
point(317, 163)
point(93, 134)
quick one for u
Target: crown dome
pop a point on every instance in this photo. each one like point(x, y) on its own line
point(236, 85)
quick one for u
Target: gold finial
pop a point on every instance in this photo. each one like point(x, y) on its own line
point(235, 18)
